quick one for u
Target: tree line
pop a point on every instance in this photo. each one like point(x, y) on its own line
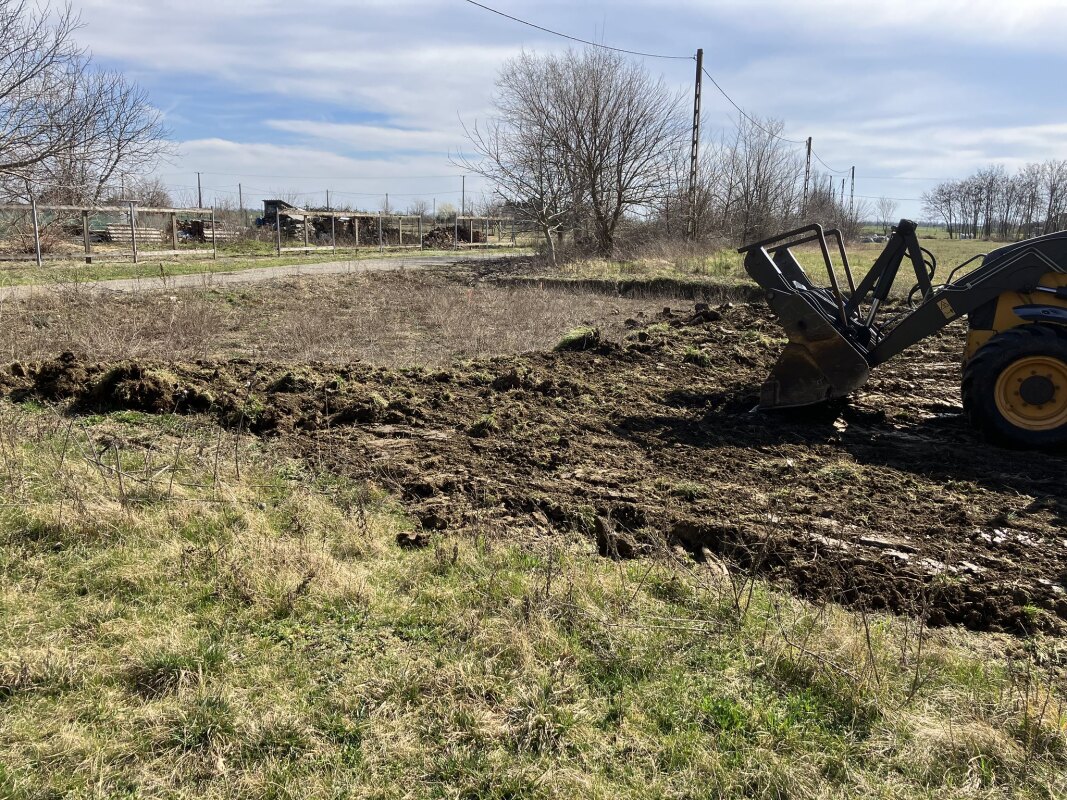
point(995, 204)
point(595, 151)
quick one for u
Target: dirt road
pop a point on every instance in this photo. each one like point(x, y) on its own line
point(256, 275)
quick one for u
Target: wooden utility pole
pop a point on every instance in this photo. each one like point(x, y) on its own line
point(133, 231)
point(36, 230)
point(807, 173)
point(278, 226)
point(694, 153)
point(852, 195)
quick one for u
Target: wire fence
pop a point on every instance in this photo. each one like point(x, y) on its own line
point(130, 232)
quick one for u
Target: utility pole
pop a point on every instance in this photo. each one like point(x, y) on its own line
point(807, 173)
point(694, 153)
point(199, 193)
point(241, 200)
point(852, 195)
point(327, 199)
point(386, 205)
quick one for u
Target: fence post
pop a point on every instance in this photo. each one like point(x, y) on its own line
point(472, 231)
point(174, 232)
point(401, 221)
point(333, 229)
point(421, 245)
point(36, 231)
point(305, 234)
point(513, 242)
point(85, 237)
point(278, 226)
point(355, 228)
point(214, 244)
point(381, 247)
point(133, 231)
point(455, 233)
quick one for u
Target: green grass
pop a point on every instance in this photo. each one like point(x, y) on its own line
point(216, 620)
point(725, 267)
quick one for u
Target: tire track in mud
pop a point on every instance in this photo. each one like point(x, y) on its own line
point(648, 444)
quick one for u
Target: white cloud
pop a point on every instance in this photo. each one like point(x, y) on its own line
point(269, 170)
point(371, 138)
point(901, 88)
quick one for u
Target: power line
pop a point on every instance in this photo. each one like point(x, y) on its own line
point(741, 111)
point(576, 39)
point(902, 199)
point(744, 114)
point(831, 169)
point(327, 177)
point(904, 178)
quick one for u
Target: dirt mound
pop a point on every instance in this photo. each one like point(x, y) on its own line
point(650, 443)
point(132, 387)
point(62, 378)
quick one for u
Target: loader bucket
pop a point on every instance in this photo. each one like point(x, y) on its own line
point(821, 362)
point(818, 364)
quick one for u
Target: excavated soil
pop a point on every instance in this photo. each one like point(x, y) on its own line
point(649, 443)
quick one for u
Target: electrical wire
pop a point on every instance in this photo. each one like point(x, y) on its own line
point(828, 167)
point(324, 177)
point(741, 111)
point(576, 39)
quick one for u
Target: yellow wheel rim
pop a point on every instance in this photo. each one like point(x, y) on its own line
point(1031, 393)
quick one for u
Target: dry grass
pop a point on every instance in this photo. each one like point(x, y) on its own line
point(718, 263)
point(387, 318)
point(188, 614)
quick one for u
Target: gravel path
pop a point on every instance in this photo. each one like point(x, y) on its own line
point(255, 275)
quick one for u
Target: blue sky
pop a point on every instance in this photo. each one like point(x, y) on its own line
point(367, 97)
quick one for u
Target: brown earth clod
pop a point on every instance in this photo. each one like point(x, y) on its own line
point(892, 503)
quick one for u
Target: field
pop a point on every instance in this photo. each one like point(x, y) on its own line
point(472, 532)
point(671, 260)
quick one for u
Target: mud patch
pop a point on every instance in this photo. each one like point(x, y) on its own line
point(895, 504)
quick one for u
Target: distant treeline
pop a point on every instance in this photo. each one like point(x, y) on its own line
point(995, 204)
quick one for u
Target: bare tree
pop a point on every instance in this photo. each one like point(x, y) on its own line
point(40, 69)
point(153, 193)
point(125, 137)
point(887, 209)
point(761, 180)
point(418, 208)
point(66, 130)
point(622, 129)
point(526, 171)
point(582, 137)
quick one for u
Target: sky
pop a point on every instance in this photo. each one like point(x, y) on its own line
point(371, 97)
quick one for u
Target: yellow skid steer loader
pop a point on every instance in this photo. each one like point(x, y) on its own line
point(1015, 300)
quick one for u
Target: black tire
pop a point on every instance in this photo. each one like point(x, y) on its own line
point(1017, 423)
